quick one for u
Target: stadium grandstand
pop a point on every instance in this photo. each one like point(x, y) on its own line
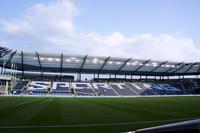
point(52, 74)
point(39, 91)
point(99, 66)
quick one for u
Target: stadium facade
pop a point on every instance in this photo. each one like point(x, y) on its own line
point(38, 68)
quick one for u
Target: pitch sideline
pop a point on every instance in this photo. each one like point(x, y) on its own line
point(95, 125)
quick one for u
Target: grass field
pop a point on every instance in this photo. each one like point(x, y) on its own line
point(99, 115)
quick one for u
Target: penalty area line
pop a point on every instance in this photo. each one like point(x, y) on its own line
point(95, 125)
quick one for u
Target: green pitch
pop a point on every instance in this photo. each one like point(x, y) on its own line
point(97, 115)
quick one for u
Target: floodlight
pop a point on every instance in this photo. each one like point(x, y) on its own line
point(73, 58)
point(101, 62)
point(94, 61)
point(133, 64)
point(50, 59)
point(57, 59)
point(167, 65)
point(154, 64)
point(68, 60)
point(118, 63)
point(77, 60)
point(110, 62)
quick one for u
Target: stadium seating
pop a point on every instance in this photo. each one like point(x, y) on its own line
point(84, 89)
point(188, 87)
point(38, 87)
point(142, 88)
point(122, 89)
point(19, 87)
point(103, 89)
point(165, 89)
point(60, 88)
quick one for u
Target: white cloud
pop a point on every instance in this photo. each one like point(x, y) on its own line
point(51, 28)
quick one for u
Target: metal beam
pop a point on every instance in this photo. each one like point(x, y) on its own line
point(2, 55)
point(141, 66)
point(106, 60)
point(2, 50)
point(199, 68)
point(22, 61)
point(39, 62)
point(84, 59)
point(11, 56)
point(191, 66)
point(158, 66)
point(61, 64)
point(180, 68)
point(174, 67)
point(122, 66)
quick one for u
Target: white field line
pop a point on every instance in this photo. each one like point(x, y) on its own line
point(28, 102)
point(95, 125)
point(68, 96)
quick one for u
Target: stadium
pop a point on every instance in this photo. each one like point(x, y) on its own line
point(99, 66)
point(122, 95)
point(35, 72)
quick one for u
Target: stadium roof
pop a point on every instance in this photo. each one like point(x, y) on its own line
point(61, 63)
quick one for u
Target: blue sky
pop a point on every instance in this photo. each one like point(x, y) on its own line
point(139, 16)
point(123, 23)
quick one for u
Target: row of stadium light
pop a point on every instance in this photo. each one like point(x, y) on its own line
point(48, 59)
point(99, 61)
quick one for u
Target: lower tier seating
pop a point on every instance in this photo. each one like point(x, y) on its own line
point(102, 89)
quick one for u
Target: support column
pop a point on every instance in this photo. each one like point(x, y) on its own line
point(79, 76)
point(6, 87)
point(94, 76)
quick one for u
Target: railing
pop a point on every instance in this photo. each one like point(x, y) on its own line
point(192, 126)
